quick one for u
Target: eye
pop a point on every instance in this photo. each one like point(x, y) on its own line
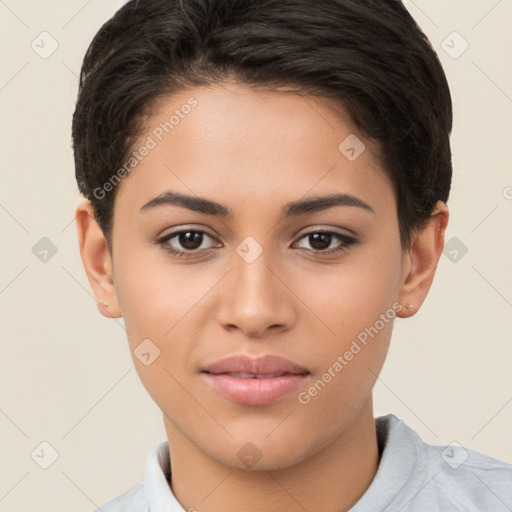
point(189, 239)
point(320, 240)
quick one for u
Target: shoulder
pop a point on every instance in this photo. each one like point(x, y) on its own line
point(453, 477)
point(132, 500)
point(468, 478)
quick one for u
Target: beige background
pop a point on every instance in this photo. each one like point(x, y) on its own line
point(67, 377)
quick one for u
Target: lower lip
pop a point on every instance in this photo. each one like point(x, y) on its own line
point(254, 391)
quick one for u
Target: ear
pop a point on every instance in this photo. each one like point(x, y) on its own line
point(96, 260)
point(420, 261)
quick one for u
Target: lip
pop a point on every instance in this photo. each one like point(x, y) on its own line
point(255, 381)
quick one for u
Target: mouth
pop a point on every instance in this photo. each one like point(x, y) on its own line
point(254, 375)
point(255, 382)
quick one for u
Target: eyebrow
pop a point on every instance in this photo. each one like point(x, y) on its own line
point(292, 209)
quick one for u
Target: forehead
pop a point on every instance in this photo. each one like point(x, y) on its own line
point(230, 140)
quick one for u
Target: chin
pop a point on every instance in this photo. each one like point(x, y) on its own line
point(257, 453)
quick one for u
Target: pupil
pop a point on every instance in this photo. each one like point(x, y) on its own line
point(189, 239)
point(320, 240)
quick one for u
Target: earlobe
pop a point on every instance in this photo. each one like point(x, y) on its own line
point(420, 262)
point(96, 260)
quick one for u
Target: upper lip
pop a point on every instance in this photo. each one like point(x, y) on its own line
point(262, 365)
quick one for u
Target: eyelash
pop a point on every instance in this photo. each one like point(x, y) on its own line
point(346, 240)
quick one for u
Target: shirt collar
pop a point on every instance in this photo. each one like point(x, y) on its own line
point(399, 460)
point(158, 471)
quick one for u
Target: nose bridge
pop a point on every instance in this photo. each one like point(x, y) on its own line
point(255, 297)
point(253, 282)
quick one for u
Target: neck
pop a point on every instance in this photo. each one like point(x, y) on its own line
point(331, 480)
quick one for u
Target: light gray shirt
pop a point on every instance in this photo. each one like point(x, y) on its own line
point(412, 476)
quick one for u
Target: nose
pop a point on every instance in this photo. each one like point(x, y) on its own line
point(256, 298)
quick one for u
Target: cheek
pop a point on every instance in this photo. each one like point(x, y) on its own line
point(154, 304)
point(358, 303)
point(348, 368)
point(153, 296)
point(162, 310)
point(353, 296)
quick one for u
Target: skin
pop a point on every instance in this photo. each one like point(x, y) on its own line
point(253, 151)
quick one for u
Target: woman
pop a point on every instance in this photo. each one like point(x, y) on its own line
point(266, 189)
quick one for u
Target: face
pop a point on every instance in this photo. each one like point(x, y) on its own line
point(257, 275)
